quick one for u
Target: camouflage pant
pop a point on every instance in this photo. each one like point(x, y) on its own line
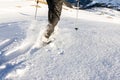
point(55, 7)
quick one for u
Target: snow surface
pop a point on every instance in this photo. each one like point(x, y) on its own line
point(84, 49)
point(113, 2)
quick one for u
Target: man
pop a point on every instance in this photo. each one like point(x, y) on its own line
point(55, 8)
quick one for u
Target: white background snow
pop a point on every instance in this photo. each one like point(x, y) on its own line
point(92, 52)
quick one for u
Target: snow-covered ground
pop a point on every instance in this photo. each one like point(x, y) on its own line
point(115, 4)
point(84, 49)
point(111, 2)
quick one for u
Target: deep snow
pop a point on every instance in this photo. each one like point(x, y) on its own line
point(92, 52)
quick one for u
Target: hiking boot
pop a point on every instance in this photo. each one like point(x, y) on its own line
point(49, 31)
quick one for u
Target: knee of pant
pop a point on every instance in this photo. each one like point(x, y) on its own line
point(54, 22)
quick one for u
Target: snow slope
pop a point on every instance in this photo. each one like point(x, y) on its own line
point(113, 2)
point(84, 49)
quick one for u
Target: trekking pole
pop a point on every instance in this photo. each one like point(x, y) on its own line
point(77, 11)
point(36, 9)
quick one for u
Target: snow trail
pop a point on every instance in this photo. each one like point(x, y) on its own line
point(6, 42)
point(90, 53)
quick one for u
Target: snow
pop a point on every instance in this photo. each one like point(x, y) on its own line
point(83, 49)
point(114, 2)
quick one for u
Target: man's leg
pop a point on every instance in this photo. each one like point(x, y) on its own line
point(55, 7)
